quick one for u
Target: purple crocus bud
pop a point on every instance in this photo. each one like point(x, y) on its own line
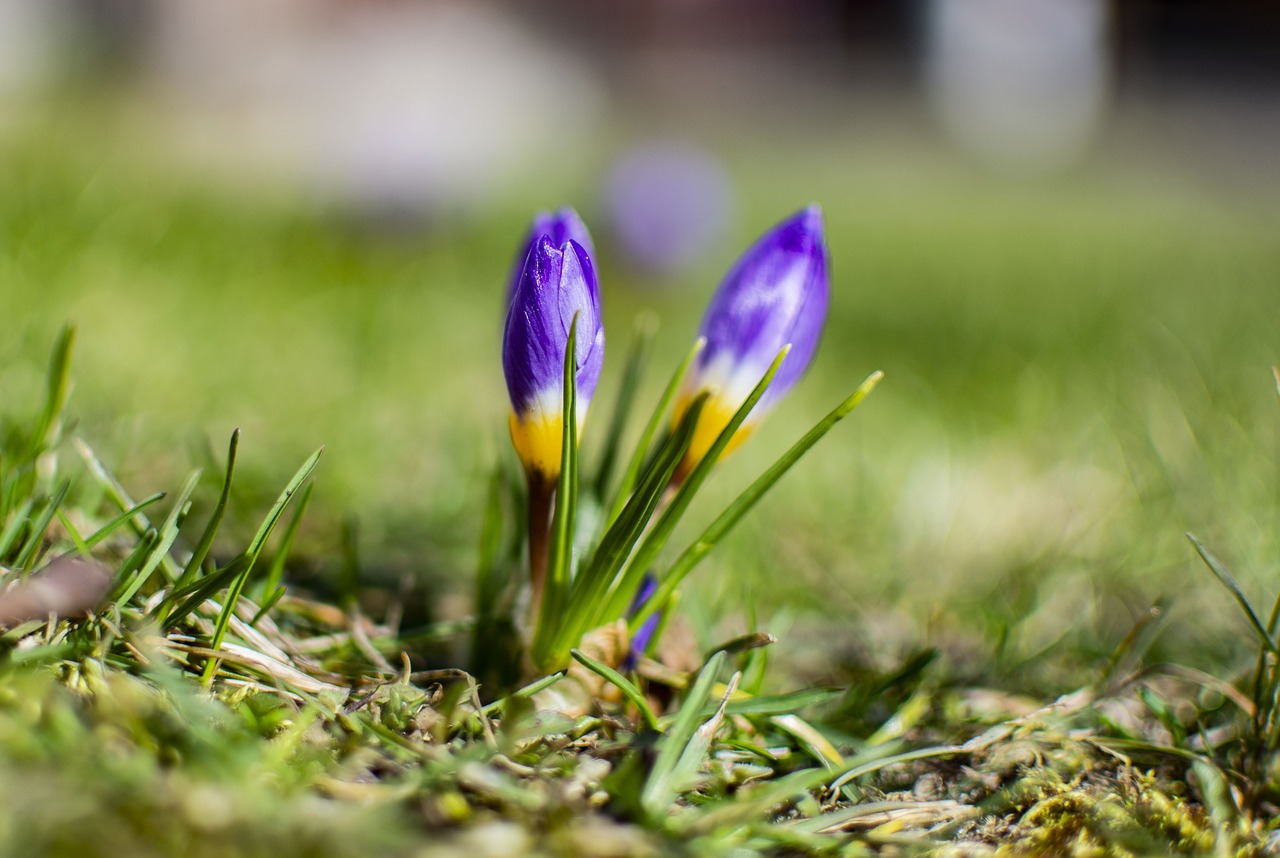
point(561, 226)
point(644, 635)
point(557, 283)
point(775, 295)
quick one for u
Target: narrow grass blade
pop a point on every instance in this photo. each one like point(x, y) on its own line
point(626, 686)
point(781, 704)
point(116, 492)
point(646, 437)
point(728, 519)
point(193, 595)
point(168, 533)
point(111, 526)
point(82, 548)
point(560, 550)
point(59, 387)
point(907, 716)
point(1222, 809)
point(658, 789)
point(277, 509)
point(1163, 713)
point(268, 603)
point(591, 585)
point(858, 767)
point(1227, 581)
point(685, 773)
point(18, 518)
point(8, 487)
point(236, 587)
point(528, 691)
point(275, 571)
point(134, 560)
point(637, 357)
point(349, 574)
point(834, 821)
point(818, 745)
point(35, 539)
point(739, 809)
point(746, 643)
point(201, 551)
point(493, 639)
point(657, 538)
point(489, 581)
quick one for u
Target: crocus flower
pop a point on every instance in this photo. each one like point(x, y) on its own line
point(775, 295)
point(561, 226)
point(556, 283)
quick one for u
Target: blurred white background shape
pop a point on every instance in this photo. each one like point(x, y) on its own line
point(29, 30)
point(395, 105)
point(1021, 84)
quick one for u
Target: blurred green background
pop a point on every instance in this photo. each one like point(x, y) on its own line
point(1077, 349)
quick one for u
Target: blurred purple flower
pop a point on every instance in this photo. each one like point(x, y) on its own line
point(557, 282)
point(560, 226)
point(667, 202)
point(776, 294)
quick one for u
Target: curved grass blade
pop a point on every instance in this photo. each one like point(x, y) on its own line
point(739, 808)
point(35, 539)
point(134, 560)
point(268, 603)
point(646, 438)
point(201, 551)
point(560, 550)
point(813, 740)
point(110, 527)
point(1227, 581)
point(116, 492)
point(781, 704)
point(626, 686)
point(489, 579)
point(657, 538)
point(250, 555)
point(16, 521)
point(59, 388)
point(167, 534)
point(193, 595)
point(746, 643)
point(633, 371)
point(725, 523)
point(493, 648)
point(528, 691)
point(68, 525)
point(275, 571)
point(685, 773)
point(593, 582)
point(855, 769)
point(658, 788)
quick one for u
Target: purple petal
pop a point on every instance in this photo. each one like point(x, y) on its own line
point(561, 227)
point(644, 635)
point(776, 293)
point(640, 641)
point(555, 284)
point(648, 586)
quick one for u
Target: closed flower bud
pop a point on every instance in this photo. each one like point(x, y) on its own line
point(775, 295)
point(561, 227)
point(556, 284)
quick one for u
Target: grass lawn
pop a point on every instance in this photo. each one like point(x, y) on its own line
point(992, 629)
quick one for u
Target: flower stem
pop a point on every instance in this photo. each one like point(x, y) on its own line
point(540, 491)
